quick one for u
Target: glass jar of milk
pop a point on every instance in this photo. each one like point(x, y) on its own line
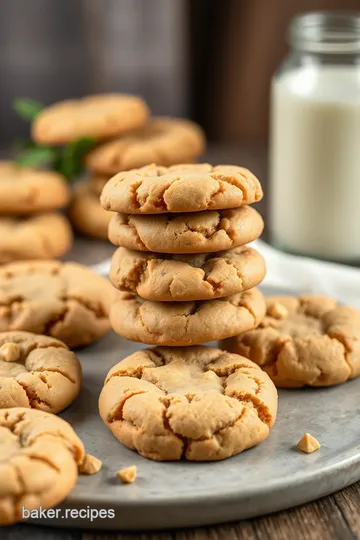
point(315, 139)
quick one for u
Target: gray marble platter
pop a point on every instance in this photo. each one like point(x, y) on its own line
point(270, 477)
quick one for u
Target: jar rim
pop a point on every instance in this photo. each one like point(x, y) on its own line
point(331, 32)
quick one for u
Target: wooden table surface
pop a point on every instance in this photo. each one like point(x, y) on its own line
point(336, 517)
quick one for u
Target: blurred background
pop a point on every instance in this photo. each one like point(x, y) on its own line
point(209, 60)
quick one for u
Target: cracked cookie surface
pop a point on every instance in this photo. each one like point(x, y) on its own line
point(64, 300)
point(37, 372)
point(25, 190)
point(98, 116)
point(186, 323)
point(197, 232)
point(164, 141)
point(43, 236)
point(180, 188)
point(86, 213)
point(39, 458)
point(194, 403)
point(202, 276)
point(305, 340)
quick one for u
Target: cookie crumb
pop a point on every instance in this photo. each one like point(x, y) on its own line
point(127, 475)
point(90, 465)
point(10, 352)
point(308, 444)
point(278, 311)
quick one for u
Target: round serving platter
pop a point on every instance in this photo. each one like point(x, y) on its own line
point(273, 476)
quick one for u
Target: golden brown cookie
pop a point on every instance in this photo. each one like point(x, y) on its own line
point(37, 371)
point(86, 213)
point(164, 141)
point(180, 188)
point(39, 458)
point(100, 116)
point(63, 300)
point(97, 183)
point(196, 403)
point(24, 190)
point(186, 323)
point(198, 232)
point(42, 236)
point(307, 340)
point(204, 276)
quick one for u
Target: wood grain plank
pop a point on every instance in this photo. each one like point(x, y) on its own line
point(128, 536)
point(32, 532)
point(348, 502)
point(320, 520)
point(241, 531)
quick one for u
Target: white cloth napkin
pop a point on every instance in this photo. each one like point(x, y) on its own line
point(304, 274)
point(301, 274)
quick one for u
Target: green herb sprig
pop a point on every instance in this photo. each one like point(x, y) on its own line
point(67, 160)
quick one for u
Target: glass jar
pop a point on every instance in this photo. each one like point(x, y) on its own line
point(315, 139)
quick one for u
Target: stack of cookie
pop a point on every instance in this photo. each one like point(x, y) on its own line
point(187, 277)
point(184, 269)
point(30, 226)
point(127, 138)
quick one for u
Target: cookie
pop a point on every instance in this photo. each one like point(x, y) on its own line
point(100, 116)
point(198, 232)
point(177, 278)
point(197, 403)
point(308, 340)
point(97, 183)
point(186, 323)
point(63, 300)
point(180, 188)
point(86, 213)
point(24, 190)
point(164, 141)
point(42, 236)
point(38, 372)
point(39, 458)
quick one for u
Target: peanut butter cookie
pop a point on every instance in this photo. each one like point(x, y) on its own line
point(24, 190)
point(196, 403)
point(39, 458)
point(307, 340)
point(198, 232)
point(99, 116)
point(38, 372)
point(86, 213)
point(63, 300)
point(186, 323)
point(180, 188)
point(205, 276)
point(42, 236)
point(164, 141)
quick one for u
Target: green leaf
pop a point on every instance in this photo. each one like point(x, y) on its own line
point(37, 156)
point(70, 162)
point(82, 145)
point(26, 108)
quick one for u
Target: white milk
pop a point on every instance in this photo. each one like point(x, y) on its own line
point(315, 162)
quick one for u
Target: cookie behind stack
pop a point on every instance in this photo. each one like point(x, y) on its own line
point(99, 117)
point(192, 294)
point(30, 227)
point(166, 141)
